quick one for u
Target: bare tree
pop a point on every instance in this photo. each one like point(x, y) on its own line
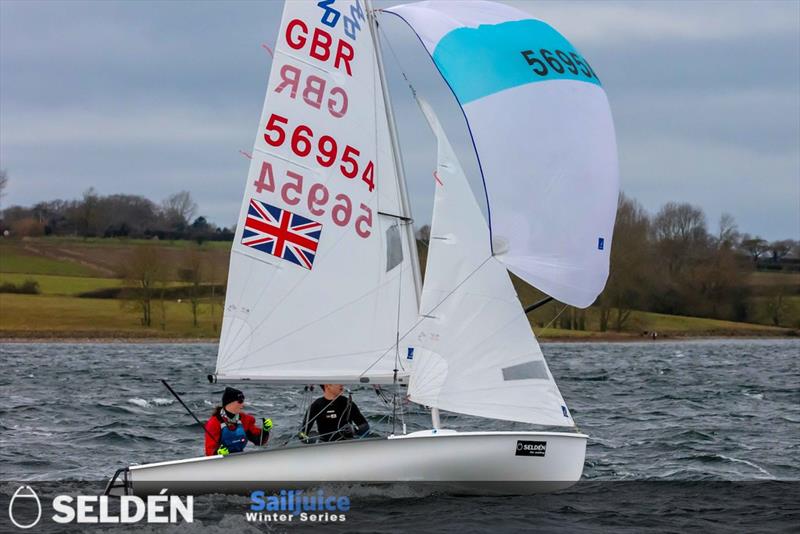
point(680, 233)
point(780, 249)
point(144, 273)
point(192, 271)
point(777, 303)
point(89, 213)
point(754, 246)
point(3, 182)
point(628, 281)
point(179, 209)
point(728, 235)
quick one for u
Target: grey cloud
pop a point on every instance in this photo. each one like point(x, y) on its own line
point(706, 97)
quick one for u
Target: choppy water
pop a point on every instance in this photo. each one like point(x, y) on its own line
point(690, 411)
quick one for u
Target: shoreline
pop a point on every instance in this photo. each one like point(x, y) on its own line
point(542, 340)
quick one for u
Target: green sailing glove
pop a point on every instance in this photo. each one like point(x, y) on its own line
point(223, 450)
point(267, 426)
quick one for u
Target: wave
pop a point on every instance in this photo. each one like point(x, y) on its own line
point(747, 462)
point(158, 401)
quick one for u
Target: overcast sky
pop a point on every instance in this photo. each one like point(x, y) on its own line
point(152, 98)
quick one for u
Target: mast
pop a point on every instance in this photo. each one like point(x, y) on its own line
point(397, 157)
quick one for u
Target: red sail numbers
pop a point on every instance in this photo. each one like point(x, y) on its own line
point(320, 45)
point(314, 90)
point(324, 149)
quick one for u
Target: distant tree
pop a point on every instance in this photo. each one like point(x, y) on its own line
point(27, 227)
point(780, 249)
point(728, 234)
point(754, 246)
point(179, 209)
point(125, 215)
point(192, 272)
point(3, 183)
point(777, 303)
point(215, 275)
point(89, 213)
point(629, 278)
point(201, 230)
point(144, 273)
point(679, 231)
point(719, 279)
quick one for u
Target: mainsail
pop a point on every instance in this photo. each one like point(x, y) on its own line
point(321, 272)
point(543, 133)
point(475, 351)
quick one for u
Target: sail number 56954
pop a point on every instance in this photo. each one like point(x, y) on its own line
point(317, 197)
point(325, 149)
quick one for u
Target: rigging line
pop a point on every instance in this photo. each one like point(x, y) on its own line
point(419, 321)
point(554, 318)
point(397, 60)
point(276, 306)
point(306, 325)
point(311, 421)
point(306, 404)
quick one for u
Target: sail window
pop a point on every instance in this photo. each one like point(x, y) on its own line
point(394, 248)
point(524, 371)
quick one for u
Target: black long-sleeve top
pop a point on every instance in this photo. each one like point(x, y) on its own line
point(331, 416)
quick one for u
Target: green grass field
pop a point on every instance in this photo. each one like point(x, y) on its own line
point(64, 241)
point(12, 261)
point(664, 325)
point(63, 316)
point(762, 278)
point(61, 285)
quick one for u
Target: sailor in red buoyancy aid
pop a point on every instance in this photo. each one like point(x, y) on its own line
point(229, 428)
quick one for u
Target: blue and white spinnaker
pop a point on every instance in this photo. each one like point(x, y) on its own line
point(543, 133)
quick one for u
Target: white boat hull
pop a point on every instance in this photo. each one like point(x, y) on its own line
point(468, 462)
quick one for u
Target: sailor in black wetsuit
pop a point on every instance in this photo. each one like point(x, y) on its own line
point(337, 417)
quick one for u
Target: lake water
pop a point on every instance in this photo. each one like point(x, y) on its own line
point(702, 434)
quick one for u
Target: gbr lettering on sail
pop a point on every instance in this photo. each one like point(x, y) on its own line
point(315, 152)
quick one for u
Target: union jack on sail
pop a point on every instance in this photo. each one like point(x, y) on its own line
point(281, 233)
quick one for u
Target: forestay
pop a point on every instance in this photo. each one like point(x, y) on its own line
point(475, 352)
point(320, 275)
point(544, 136)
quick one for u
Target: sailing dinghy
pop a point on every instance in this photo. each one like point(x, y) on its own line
point(324, 283)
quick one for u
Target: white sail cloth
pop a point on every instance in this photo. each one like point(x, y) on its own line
point(474, 351)
point(544, 137)
point(320, 296)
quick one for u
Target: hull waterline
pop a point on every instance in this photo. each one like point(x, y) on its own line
point(456, 462)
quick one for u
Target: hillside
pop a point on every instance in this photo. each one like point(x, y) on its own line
point(71, 273)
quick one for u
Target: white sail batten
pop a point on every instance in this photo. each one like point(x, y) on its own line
point(543, 134)
point(474, 351)
point(320, 274)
